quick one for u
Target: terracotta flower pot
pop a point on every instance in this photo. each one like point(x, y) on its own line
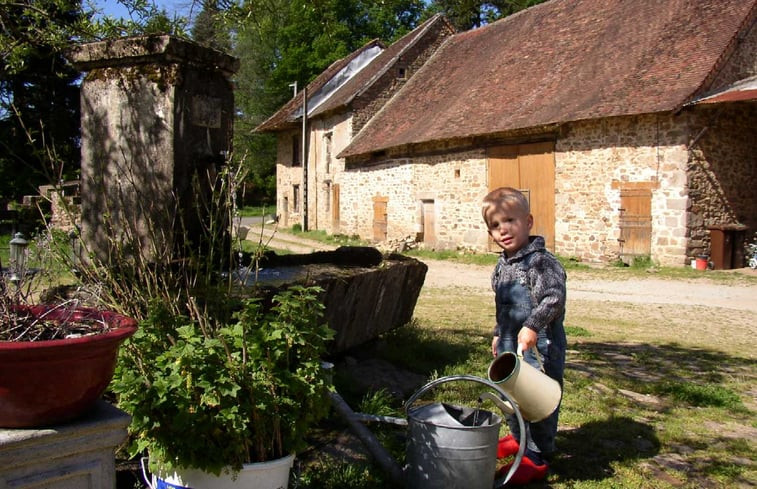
point(52, 381)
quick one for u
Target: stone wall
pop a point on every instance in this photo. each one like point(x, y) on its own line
point(594, 159)
point(327, 137)
point(455, 183)
point(287, 176)
point(722, 171)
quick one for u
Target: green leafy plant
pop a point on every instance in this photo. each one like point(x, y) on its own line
point(217, 394)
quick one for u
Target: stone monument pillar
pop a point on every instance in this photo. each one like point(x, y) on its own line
point(156, 115)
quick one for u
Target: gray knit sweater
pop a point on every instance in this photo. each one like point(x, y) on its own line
point(538, 270)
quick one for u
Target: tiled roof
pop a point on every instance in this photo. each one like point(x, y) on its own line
point(287, 115)
point(560, 61)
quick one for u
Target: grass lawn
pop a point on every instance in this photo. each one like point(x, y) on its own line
point(650, 399)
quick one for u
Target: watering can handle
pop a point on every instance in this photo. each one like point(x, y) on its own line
point(504, 395)
point(144, 473)
point(535, 352)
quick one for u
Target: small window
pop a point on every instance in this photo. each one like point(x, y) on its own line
point(327, 196)
point(296, 153)
point(295, 198)
point(401, 73)
point(327, 141)
point(457, 172)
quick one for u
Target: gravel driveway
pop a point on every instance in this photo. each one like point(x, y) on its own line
point(701, 310)
point(582, 286)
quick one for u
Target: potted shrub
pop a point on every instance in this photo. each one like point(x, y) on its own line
point(217, 381)
point(56, 359)
point(214, 396)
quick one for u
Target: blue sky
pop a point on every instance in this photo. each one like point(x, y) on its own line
point(114, 8)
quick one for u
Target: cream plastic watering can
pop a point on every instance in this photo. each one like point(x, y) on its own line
point(536, 394)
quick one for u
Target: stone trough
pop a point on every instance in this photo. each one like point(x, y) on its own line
point(365, 293)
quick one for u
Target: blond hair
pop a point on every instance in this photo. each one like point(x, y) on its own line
point(505, 196)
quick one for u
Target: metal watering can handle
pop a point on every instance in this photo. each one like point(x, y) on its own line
point(148, 480)
point(535, 352)
point(501, 405)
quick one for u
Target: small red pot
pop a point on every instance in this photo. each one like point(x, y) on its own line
point(54, 381)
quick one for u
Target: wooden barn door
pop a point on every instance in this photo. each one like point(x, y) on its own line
point(429, 222)
point(635, 222)
point(529, 168)
point(379, 218)
point(335, 216)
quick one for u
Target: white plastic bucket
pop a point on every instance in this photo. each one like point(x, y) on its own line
point(536, 394)
point(263, 475)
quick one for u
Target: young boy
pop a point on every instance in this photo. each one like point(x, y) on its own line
point(529, 287)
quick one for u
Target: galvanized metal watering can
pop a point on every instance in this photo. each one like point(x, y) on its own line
point(449, 447)
point(454, 447)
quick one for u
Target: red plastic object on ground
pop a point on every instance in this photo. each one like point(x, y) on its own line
point(49, 382)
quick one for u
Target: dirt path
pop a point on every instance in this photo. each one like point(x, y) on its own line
point(699, 311)
point(582, 286)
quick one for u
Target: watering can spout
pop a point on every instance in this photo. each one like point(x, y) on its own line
point(380, 454)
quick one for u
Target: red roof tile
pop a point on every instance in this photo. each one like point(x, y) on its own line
point(560, 61)
point(286, 116)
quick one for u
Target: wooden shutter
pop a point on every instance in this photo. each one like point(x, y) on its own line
point(379, 218)
point(635, 222)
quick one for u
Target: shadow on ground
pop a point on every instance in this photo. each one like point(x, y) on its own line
point(587, 452)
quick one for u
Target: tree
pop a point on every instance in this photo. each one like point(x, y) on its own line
point(208, 28)
point(143, 17)
point(39, 93)
point(39, 99)
point(469, 14)
point(280, 42)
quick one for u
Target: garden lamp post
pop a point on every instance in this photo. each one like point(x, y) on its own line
point(18, 247)
point(74, 240)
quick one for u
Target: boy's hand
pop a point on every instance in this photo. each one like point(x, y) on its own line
point(526, 339)
point(495, 340)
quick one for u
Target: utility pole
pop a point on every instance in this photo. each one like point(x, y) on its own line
point(305, 158)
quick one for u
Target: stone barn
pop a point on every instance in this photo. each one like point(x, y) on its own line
point(629, 125)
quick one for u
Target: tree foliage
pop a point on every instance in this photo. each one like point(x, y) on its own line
point(281, 42)
point(208, 28)
point(39, 92)
point(469, 14)
point(143, 17)
point(39, 101)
